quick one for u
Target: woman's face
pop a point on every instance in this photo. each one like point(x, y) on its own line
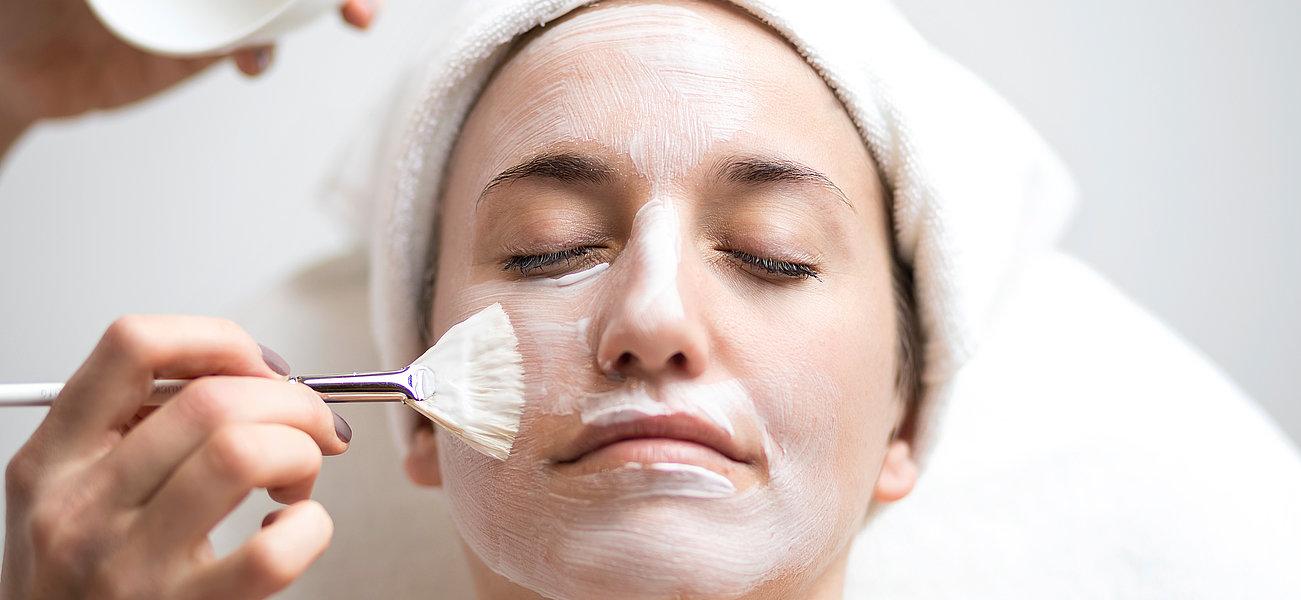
point(690, 239)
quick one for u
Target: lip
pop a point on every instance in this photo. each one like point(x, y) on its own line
point(678, 437)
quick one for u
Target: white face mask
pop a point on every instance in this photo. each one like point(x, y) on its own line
point(667, 87)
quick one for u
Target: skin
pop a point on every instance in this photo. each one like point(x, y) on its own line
point(108, 499)
point(824, 400)
point(57, 60)
point(111, 499)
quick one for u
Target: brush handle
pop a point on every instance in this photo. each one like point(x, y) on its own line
point(42, 394)
point(357, 387)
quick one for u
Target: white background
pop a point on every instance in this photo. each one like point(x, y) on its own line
point(1179, 119)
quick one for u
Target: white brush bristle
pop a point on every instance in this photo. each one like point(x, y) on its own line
point(478, 382)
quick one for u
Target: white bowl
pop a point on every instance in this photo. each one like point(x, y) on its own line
point(204, 27)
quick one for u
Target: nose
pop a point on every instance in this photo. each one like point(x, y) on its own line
point(652, 328)
point(634, 345)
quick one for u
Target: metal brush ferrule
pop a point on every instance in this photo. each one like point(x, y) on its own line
point(385, 386)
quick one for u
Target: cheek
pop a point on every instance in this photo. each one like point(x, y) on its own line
point(553, 324)
point(825, 391)
point(491, 499)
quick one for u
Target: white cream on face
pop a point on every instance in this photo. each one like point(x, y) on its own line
point(674, 63)
point(674, 91)
point(658, 530)
point(656, 247)
point(639, 481)
point(573, 278)
point(713, 401)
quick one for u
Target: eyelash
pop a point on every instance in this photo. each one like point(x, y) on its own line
point(774, 266)
point(526, 263)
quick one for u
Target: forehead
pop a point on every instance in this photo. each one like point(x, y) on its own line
point(663, 84)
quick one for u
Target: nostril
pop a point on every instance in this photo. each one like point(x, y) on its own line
point(678, 360)
point(626, 359)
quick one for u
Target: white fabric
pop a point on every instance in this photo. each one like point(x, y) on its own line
point(976, 191)
point(1089, 452)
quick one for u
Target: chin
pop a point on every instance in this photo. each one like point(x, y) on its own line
point(703, 527)
point(649, 548)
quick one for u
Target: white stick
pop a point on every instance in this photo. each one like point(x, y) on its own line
point(43, 394)
point(29, 394)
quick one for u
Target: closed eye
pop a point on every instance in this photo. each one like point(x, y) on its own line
point(531, 264)
point(534, 264)
point(773, 266)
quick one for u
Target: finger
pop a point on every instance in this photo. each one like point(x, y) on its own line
point(270, 560)
point(147, 456)
point(109, 388)
point(213, 480)
point(254, 61)
point(359, 13)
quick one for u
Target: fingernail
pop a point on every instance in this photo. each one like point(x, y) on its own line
point(274, 360)
point(262, 57)
point(341, 428)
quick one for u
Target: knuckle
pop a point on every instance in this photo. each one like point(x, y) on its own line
point(310, 457)
point(44, 527)
point(208, 402)
point(21, 477)
point(53, 542)
point(226, 326)
point(234, 331)
point(67, 534)
point(311, 407)
point(299, 455)
point(300, 447)
point(236, 335)
point(300, 407)
point(128, 335)
point(233, 456)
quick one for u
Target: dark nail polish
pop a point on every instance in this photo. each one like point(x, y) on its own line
point(342, 429)
point(275, 361)
point(262, 57)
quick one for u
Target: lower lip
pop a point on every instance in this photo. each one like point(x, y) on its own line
point(654, 450)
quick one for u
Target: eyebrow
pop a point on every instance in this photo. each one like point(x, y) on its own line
point(572, 167)
point(563, 167)
point(761, 170)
